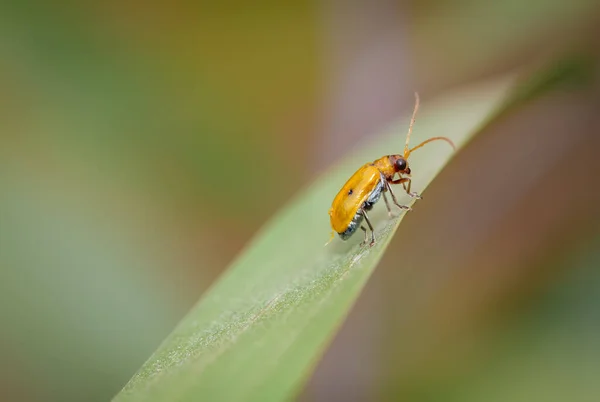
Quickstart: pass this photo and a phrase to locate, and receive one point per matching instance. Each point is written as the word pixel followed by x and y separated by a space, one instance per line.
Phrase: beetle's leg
pixel 365 239
pixel 408 180
pixel 387 205
pixel 405 207
pixel 331 237
pixel 370 227
pixel 399 181
pixel 412 194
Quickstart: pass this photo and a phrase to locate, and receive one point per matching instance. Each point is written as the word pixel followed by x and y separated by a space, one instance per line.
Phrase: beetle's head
pixel 400 164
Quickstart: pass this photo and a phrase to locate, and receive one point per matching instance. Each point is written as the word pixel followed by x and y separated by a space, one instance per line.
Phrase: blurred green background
pixel 143 143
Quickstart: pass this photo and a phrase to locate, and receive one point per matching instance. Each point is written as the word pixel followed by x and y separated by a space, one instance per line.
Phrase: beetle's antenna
pixel 408 151
pixel 410 127
pixel 448 140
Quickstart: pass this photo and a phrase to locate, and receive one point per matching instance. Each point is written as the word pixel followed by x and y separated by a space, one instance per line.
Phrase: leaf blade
pixel 256 334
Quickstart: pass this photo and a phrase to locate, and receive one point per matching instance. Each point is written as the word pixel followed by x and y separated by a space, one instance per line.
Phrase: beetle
pixel 366 186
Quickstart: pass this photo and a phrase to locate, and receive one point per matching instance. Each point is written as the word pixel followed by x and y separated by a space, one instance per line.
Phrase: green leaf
pixel 257 334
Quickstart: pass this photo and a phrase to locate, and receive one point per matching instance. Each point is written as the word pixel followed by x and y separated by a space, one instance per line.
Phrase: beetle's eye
pixel 401 164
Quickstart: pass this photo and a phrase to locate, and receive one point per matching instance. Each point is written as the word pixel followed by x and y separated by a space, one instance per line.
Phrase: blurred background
pixel 143 143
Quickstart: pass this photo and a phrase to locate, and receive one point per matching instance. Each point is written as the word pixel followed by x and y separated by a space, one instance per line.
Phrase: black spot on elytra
pixel 350 192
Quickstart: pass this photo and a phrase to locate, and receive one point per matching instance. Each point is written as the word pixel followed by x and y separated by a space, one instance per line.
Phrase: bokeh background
pixel 143 143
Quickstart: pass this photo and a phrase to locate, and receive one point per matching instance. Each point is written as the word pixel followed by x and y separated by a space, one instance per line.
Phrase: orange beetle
pixel 366 186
